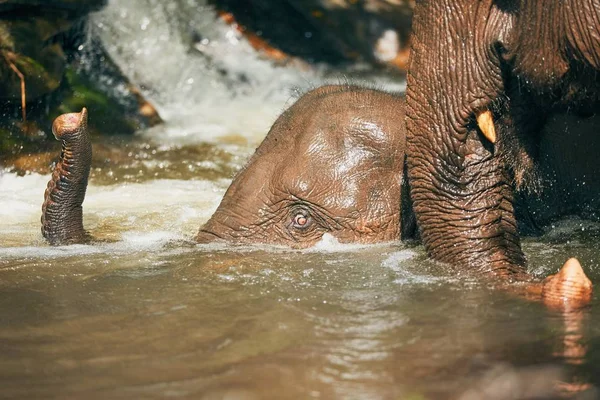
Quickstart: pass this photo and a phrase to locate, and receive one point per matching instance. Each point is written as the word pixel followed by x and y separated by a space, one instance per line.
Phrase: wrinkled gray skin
pixel 332 163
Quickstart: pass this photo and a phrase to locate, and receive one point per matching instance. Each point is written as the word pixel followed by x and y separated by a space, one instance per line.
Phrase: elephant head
pixel 331 163
pixel 483 76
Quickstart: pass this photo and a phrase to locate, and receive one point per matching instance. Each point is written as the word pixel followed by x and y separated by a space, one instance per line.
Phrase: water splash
pixel 210 85
pixel 117 213
pixel 205 79
pixel 202 75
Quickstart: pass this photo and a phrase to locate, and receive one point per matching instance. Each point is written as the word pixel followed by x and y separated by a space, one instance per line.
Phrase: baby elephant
pixel 331 164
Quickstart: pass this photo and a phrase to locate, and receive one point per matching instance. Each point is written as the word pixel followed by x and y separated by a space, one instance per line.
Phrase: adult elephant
pixel 484 77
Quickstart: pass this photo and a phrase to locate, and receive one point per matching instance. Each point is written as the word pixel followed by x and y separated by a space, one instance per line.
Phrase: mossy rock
pixel 106 115
pixel 23 145
pixel 39 39
pixel 78 6
pixel 8 142
pixel 32 35
pixel 41 77
pixel 26 48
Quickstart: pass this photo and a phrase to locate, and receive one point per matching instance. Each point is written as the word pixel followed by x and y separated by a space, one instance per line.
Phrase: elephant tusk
pixel 486 124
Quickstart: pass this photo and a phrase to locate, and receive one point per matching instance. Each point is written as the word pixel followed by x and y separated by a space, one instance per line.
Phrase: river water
pixel 145 313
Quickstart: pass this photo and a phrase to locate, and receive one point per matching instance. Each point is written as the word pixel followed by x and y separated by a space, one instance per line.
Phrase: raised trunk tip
pixel 69 124
pixel 569 289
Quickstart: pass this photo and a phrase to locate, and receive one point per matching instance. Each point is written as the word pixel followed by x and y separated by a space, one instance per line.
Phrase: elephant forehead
pixel 351 180
pixel 329 155
pixel 334 155
pixel 336 162
pixel 345 137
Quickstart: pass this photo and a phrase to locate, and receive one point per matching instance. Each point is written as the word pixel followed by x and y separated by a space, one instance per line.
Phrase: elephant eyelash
pixel 295 215
pixel 287 209
pixel 314 220
pixel 301 219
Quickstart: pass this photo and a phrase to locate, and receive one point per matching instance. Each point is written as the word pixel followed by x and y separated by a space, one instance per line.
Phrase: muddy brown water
pixel 147 314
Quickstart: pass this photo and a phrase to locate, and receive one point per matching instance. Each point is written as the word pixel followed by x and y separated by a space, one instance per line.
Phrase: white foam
pixel 397 262
pixel 139 216
pixel 132 242
pixel 202 75
pixel 206 90
pixel 330 244
pixel 327 244
pixel 14 194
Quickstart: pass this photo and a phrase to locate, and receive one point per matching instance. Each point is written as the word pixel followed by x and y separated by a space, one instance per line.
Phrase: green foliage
pixel 106 115
pixel 8 143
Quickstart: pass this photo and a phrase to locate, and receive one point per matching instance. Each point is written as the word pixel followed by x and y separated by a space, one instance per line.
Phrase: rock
pixel 331 31
pixel 72 6
pixel 49 65
pixel 28 55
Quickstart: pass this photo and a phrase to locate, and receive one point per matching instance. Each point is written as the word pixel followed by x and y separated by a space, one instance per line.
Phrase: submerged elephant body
pixel 485 76
pixel 331 164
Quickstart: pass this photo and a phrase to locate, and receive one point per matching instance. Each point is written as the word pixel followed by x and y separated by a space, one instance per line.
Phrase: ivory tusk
pixel 486 124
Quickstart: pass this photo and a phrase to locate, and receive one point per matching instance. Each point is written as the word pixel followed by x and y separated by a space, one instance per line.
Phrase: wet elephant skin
pixel 62 211
pixel 516 63
pixel 332 163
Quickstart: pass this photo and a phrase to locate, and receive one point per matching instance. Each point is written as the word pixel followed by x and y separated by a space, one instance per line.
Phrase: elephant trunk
pixel 62 214
pixel 460 187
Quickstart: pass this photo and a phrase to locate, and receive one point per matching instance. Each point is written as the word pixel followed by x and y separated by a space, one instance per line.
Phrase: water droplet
pixel 144 24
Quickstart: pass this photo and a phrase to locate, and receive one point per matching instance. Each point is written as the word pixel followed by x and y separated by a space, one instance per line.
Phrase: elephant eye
pixel 301 220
